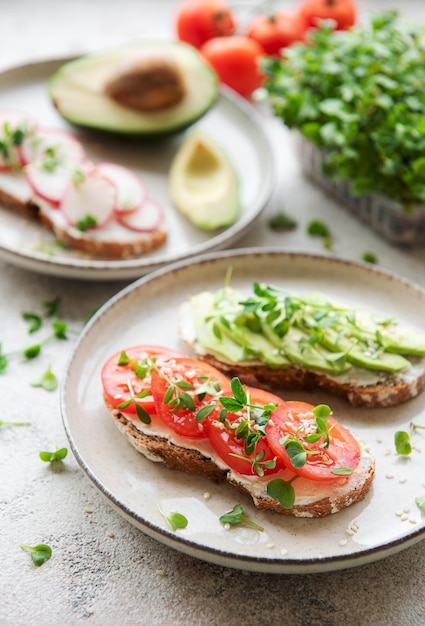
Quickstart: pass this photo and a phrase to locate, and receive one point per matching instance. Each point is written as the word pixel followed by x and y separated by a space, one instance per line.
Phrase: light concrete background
pixel 103 570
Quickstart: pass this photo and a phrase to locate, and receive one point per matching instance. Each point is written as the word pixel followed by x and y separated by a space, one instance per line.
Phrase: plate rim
pixel 116 269
pixel 264 564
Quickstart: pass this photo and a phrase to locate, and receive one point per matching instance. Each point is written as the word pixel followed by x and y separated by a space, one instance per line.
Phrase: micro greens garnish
pixel 282 221
pixel 35 321
pixel 14 423
pixel 86 222
pixel 420 501
pixel 180 395
pixel 237 516
pixel 57 455
pixel 39 554
pixel 369 257
pixel 402 439
pixel 47 380
pixel 282 491
pixel 317 228
pixel 141 412
pixel 124 359
pixel 174 519
pixel 78 177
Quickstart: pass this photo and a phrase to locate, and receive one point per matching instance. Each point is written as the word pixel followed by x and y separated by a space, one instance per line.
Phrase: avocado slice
pixel 79 89
pixel 204 185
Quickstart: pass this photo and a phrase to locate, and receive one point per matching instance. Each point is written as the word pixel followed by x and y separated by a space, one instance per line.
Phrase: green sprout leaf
pixel 281 221
pixel 14 423
pixel 237 516
pixel 47 380
pixel 34 320
pixel 402 442
pixel 369 257
pixel 174 519
pixel 39 554
pixel 282 491
pixel 57 455
pixel 420 501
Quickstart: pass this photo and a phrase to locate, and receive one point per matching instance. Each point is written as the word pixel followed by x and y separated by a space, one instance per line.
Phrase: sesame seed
pixel 110 534
pixel 406 509
pixel 412 521
pixel 88 510
pixel 350 531
pixel 399 513
pixel 227 526
pixel 389 476
pixel 404 517
pixel 207 495
pixel 160 572
pixel 402 480
pixel 343 542
pixel 284 552
pixel 270 545
pixel 378 440
pixel 388 452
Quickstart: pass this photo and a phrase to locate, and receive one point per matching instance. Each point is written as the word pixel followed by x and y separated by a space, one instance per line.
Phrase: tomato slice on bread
pixel 127 374
pixel 180 388
pixel 239 437
pixel 315 447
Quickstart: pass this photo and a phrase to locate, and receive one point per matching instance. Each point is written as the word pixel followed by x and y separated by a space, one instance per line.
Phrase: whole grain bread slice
pixel 314 499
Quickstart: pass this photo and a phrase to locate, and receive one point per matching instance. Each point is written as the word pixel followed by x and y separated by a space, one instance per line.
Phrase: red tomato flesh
pixel 185 375
pixel 229 448
pixel 119 381
pixel 296 418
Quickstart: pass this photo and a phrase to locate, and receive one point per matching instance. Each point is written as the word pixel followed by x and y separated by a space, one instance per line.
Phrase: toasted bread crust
pixel 27 208
pixel 191 461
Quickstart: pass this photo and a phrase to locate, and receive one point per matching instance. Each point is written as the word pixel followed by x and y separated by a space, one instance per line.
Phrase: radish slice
pixel 50 184
pixel 146 218
pixel 51 142
pixel 10 122
pixel 131 192
pixel 90 203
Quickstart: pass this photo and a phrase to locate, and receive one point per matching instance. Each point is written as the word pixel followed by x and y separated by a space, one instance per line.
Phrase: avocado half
pixel 77 90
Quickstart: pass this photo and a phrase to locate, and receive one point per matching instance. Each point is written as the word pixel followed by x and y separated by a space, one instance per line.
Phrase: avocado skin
pixel 76 91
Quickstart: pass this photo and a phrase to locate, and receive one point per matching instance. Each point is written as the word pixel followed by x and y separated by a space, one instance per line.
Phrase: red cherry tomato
pixel 122 382
pixel 235 61
pixel 200 20
pixel 223 438
pixel 186 376
pixel 296 418
pixel 343 12
pixel 277 31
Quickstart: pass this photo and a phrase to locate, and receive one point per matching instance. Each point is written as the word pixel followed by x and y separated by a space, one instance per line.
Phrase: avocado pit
pixel 147 84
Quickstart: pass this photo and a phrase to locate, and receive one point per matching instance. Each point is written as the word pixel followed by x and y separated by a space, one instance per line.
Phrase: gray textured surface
pixel 103 570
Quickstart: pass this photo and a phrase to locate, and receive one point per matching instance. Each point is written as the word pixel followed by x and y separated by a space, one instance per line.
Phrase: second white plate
pixel 388 519
pixel 234 124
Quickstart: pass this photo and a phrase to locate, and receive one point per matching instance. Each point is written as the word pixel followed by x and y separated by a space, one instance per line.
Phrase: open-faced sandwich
pixel 290 457
pixel 101 209
pixel 280 340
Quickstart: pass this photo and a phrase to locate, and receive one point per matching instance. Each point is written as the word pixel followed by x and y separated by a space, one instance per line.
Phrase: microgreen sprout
pixel 47 380
pixel 14 423
pixel 403 439
pixel 86 222
pixel 420 501
pixel 57 455
pixel 369 257
pixel 237 516
pixel 174 519
pixel 281 221
pixel 39 554
pixel 142 414
pixel 282 491
pixel 316 228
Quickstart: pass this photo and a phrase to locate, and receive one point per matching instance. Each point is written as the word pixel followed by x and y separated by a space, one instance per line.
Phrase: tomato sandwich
pixel 291 457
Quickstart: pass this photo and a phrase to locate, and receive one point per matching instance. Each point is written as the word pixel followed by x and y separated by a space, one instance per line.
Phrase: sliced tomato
pixel 296 420
pixel 226 439
pixel 128 373
pixel 181 388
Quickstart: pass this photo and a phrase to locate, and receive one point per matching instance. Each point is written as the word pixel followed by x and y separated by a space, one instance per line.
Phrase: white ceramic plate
pixel 233 122
pixel 146 312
